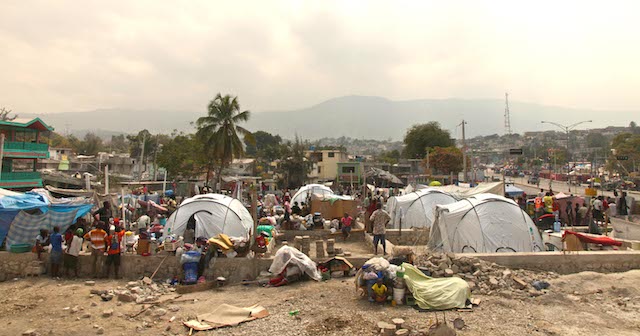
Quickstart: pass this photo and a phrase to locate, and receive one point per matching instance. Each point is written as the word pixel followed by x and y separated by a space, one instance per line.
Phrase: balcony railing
pixel 20 176
pixel 26 146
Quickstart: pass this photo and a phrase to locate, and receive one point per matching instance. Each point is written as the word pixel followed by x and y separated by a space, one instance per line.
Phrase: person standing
pixel 56 252
pixel 598 209
pixel 104 213
pixel 97 237
pixel 42 240
pixel 380 219
pixel 70 259
pixel 623 208
pixel 113 242
pixel 579 217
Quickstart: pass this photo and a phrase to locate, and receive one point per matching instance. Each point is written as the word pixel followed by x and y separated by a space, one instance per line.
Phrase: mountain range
pixel 362 117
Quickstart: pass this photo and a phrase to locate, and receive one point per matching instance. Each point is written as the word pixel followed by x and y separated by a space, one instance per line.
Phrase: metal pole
pixel 1 152
pixel 464 155
pixel 106 179
pixel 123 206
pixel 164 183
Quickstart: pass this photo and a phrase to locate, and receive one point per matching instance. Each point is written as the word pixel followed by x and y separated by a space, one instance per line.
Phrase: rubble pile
pixel 484 277
pixel 140 291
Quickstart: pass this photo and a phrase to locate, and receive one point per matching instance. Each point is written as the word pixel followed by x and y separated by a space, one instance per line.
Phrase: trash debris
pixel 540 285
pixel 226 315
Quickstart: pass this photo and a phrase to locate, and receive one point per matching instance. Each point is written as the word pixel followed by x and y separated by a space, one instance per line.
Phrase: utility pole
pixel 106 179
pixel 464 153
pixel 144 139
pixel 1 151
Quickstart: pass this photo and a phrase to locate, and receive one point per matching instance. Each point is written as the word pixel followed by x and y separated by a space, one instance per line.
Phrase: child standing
pixel 71 253
pixel 56 252
pixel 42 240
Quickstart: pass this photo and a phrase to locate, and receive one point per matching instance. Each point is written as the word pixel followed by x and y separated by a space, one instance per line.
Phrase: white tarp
pixel 289 255
pixel 304 193
pixel 483 223
pixel 459 192
pixel 214 214
pixel 416 209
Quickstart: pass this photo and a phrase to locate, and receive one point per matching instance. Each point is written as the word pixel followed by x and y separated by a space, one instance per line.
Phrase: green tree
pixel 265 146
pixel 219 133
pixel 625 144
pixel 596 140
pixel 391 157
pixel 60 141
pixel 91 145
pixel 182 156
pixel 294 168
pixel 421 137
pixel 119 143
pixel 445 160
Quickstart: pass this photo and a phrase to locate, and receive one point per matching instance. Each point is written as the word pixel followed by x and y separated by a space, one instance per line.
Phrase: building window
pixel 348 170
pixel 332 154
pixel 319 170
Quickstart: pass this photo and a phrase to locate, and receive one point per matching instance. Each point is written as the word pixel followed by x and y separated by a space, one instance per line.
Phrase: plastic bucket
pixel 190 272
pixel 398 295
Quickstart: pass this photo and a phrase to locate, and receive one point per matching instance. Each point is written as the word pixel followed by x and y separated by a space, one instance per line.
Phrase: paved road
pixel 558 186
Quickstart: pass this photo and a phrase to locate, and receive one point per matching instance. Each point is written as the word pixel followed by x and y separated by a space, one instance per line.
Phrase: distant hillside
pixel 353 116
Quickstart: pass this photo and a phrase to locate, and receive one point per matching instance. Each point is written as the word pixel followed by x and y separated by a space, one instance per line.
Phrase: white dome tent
pixel 484 223
pixel 214 214
pixel 304 193
pixel 416 209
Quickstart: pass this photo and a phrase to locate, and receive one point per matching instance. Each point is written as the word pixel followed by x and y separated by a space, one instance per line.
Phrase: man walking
pixel 380 219
pixel 97 237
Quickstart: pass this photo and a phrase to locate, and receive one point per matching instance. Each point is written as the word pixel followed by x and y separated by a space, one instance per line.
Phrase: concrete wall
pixel 566 263
pixel 623 229
pixel 408 237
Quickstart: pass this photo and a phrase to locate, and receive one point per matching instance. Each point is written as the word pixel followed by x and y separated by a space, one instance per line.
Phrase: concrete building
pixel 325 164
pixel 241 167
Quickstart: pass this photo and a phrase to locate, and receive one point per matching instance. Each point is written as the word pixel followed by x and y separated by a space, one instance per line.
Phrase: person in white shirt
pixel 70 258
pixel 144 221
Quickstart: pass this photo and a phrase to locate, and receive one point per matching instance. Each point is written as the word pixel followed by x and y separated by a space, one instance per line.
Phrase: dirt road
pixel 579 304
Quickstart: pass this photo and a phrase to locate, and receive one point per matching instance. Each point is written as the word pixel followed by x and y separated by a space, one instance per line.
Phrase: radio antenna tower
pixel 507 118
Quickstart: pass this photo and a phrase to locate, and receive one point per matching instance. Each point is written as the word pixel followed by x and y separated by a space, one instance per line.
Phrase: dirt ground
pixel 579 304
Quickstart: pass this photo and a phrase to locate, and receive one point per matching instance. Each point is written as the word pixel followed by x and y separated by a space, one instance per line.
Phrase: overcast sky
pixel 65 56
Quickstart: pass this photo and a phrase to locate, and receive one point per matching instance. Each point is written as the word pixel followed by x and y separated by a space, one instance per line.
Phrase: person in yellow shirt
pixel 379 291
pixel 548 203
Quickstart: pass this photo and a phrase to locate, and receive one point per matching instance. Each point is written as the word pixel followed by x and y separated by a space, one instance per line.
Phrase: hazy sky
pixel 79 55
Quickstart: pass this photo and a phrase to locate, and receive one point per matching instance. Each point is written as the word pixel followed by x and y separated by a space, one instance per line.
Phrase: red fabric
pixel 602 240
pixel 117 235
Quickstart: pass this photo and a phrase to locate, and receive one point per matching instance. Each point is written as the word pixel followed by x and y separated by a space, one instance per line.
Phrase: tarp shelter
pixel 304 193
pixel 290 255
pixel 436 293
pixel 483 223
pixel 382 177
pixel 563 201
pixel 333 206
pixel 513 191
pixel 416 209
pixel 214 214
pixel 22 216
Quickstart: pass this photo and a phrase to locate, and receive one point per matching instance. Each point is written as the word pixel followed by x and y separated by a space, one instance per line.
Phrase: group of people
pixel 106 236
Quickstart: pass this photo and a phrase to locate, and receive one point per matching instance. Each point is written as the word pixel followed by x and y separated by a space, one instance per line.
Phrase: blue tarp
pixel 22 202
pixel 10 206
pixel 513 191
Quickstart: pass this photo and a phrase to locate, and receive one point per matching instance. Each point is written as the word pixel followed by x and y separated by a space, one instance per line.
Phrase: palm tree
pixel 220 134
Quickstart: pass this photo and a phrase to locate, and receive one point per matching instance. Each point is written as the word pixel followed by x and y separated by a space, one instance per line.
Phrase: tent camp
pixel 304 193
pixel 513 191
pixel 213 214
pixel 460 192
pixel 484 223
pixel 416 209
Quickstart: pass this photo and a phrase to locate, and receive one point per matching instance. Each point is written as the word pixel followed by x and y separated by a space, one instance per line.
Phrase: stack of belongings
pixel 371 271
pixel 229 246
pixel 290 265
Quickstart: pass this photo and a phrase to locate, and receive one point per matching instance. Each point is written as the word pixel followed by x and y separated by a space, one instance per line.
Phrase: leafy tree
pixel 445 160
pixel 391 157
pixel 626 144
pixel 219 133
pixel 4 115
pixel 421 137
pixel 91 145
pixel 596 140
pixel 182 156
pixel 633 127
pixel 266 146
pixel 294 167
pixel 119 143
pixel 60 141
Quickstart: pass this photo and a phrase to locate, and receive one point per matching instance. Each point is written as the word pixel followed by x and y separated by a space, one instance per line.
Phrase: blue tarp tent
pixel 513 191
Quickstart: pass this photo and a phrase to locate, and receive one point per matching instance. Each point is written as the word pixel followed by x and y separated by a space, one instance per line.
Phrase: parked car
pixel 533 180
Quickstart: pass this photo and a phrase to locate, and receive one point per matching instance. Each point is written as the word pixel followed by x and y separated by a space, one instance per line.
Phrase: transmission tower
pixel 507 118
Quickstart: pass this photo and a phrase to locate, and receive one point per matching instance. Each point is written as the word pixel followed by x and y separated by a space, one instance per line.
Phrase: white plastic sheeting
pixel 214 214
pixel 460 192
pixel 416 209
pixel 305 192
pixel 290 255
pixel 484 223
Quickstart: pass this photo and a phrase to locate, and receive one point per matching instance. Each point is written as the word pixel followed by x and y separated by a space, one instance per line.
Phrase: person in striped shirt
pixel 98 246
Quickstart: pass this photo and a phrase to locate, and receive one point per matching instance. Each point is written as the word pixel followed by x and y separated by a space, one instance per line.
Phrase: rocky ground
pixel 579 304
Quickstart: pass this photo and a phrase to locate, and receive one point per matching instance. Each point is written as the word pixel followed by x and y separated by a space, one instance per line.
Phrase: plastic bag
pixel 189 257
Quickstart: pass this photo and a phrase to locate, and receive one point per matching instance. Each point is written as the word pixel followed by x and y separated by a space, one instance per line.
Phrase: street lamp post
pixel 567 129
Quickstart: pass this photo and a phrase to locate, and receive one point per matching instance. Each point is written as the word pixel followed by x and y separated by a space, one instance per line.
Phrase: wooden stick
pixel 157 268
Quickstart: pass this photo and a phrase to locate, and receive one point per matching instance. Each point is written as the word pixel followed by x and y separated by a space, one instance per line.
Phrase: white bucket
pixel 398 295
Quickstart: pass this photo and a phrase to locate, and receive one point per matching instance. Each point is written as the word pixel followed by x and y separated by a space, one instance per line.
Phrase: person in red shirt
pixel 113 242
pixel 346 222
